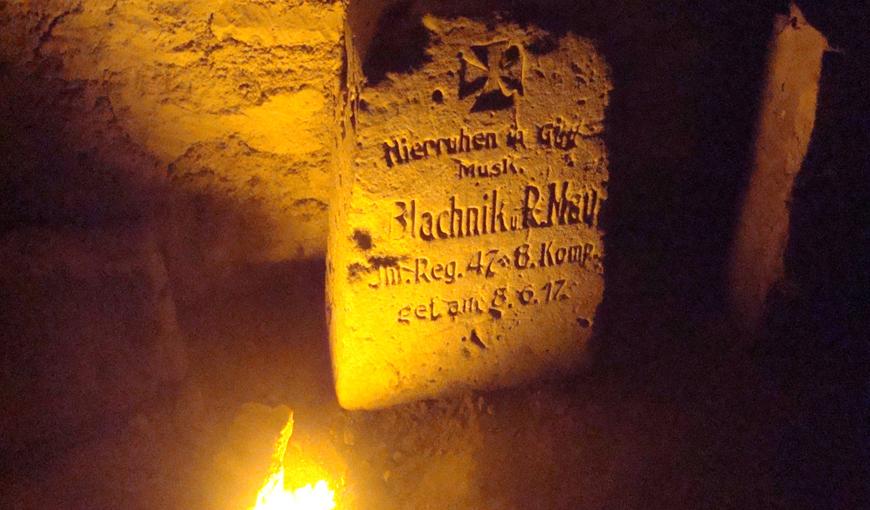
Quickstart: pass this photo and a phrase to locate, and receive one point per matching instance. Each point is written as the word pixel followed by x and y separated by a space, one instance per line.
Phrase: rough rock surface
pixel 231 98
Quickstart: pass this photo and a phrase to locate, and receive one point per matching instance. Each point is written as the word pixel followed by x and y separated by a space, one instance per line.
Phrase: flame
pixel 274 495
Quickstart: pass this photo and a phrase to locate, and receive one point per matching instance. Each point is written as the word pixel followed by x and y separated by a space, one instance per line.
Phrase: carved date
pixel 496 303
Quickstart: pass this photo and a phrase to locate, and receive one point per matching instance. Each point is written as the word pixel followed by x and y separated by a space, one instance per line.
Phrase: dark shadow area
pixel 136 316
pixel 815 344
pixel 687 80
pixel 60 154
pixel 491 101
pixel 76 271
pixel 399 45
pixel 679 130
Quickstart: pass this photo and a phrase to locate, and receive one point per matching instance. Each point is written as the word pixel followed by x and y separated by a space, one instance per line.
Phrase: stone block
pixel 465 245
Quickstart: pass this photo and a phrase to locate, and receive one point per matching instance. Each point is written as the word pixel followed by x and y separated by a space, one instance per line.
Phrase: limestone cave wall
pixel 166 169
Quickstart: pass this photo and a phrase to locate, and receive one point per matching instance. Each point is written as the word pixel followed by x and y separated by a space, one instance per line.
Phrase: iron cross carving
pixel 493 71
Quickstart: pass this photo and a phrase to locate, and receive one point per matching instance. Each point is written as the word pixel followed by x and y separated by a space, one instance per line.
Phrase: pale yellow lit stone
pixel 465 244
pixel 785 124
pixel 232 99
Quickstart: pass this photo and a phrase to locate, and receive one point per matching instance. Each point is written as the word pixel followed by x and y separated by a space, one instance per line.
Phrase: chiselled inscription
pixel 485 263
pixel 559 135
pixel 494 304
pixel 552 205
pixel 494 67
pixel 400 151
pixel 503 167
pixel 470 249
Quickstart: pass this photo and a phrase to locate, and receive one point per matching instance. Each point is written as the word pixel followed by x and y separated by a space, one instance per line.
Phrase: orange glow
pixel 274 495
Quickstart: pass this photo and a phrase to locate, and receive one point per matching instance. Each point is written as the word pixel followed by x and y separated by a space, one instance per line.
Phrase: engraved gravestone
pixel 465 243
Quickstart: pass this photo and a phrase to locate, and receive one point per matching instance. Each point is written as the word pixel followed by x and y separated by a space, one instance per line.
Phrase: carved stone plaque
pixel 465 247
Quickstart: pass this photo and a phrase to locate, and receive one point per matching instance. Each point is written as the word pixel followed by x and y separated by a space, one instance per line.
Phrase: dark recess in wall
pixel 399 46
